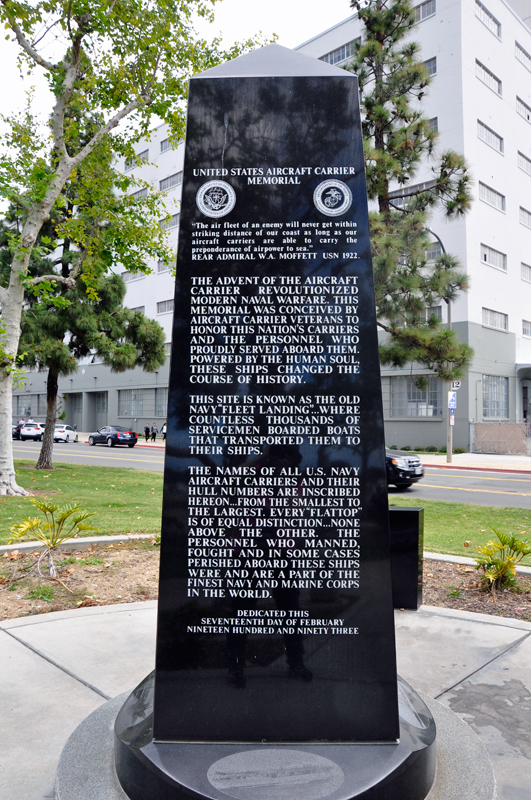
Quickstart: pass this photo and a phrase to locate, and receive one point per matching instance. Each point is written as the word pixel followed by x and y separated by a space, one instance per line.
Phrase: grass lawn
pixel 448 525
pixel 129 501
pixel 124 500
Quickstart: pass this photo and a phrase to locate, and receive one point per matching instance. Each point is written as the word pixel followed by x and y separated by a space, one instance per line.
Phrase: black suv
pixel 403 468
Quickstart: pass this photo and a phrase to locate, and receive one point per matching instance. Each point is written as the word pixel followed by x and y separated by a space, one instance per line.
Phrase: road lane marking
pixel 464 489
pixel 107 455
pixel 481 478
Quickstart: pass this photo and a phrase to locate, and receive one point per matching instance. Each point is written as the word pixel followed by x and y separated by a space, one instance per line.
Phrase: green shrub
pixel 406 447
pixel 499 560
pixel 419 449
pixel 442 449
pixel 41 592
pixel 59 525
pixel 431 449
pixel 393 447
pixel 459 450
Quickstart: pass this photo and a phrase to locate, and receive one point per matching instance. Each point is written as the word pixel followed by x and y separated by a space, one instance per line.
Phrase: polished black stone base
pixel 150 770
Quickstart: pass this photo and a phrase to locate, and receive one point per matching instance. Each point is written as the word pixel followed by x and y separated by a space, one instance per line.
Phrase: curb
pixel 75 544
pixel 79 544
pixel 149 446
pixel 470 562
pixel 478 469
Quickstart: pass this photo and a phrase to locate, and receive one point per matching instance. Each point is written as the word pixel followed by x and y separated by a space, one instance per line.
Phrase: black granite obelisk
pixel 275 672
pixel 275 610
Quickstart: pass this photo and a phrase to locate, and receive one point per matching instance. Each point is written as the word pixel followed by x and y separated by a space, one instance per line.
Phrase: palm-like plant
pixel 499 560
pixel 60 524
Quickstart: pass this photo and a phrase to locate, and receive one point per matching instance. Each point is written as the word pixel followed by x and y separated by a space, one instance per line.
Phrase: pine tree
pixel 55 338
pixel 398 138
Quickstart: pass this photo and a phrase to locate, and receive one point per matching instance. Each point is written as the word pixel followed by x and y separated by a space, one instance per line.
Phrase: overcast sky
pixel 294 21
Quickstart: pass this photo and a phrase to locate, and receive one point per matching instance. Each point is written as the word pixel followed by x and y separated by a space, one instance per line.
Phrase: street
pixel 472 486
pixel 99 456
pixel 455 485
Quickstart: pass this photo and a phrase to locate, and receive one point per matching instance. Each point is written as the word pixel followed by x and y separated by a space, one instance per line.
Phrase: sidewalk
pixel 480 461
pixel 57 668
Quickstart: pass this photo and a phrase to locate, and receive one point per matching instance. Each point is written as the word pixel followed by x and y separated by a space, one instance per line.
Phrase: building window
pixel 523 56
pixel 400 197
pixel 494 319
pixel 488 78
pixel 425 10
pixel 493 258
pixel 526 272
pixel 165 145
pixel 165 306
pixel 523 109
pixel 341 53
pixel 171 181
pixel 138 309
pixel 172 222
pixel 488 136
pixel 431 66
pixel 132 276
pixel 434 123
pixel 526 327
pixel 488 19
pixel 141 193
pixel 139 157
pixel 167 347
pixel 491 196
pixel 434 311
pixel 495 396
pixel 525 217
pixel 407 400
pixel 41 405
pixel 130 402
pixel 524 163
pixel 161 402
pixel 433 251
pixel 162 266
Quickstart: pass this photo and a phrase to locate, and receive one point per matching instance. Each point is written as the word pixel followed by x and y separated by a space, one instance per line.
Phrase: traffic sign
pixel 452 399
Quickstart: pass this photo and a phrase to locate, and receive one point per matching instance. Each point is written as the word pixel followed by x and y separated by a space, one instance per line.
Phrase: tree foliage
pixel 398 140
pixel 113 66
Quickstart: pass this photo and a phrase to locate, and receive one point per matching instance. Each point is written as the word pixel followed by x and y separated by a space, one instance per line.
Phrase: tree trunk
pixel 12 298
pixel 8 482
pixel 45 457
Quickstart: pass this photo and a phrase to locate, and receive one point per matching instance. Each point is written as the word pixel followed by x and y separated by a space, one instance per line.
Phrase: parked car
pixel 403 468
pixel 15 429
pixel 32 430
pixel 64 433
pixel 113 434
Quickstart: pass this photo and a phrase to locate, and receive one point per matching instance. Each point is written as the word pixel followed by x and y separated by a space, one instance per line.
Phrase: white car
pixel 32 430
pixel 64 433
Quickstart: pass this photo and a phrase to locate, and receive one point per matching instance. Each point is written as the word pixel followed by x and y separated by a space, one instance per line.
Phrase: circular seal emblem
pixel 215 198
pixel 332 198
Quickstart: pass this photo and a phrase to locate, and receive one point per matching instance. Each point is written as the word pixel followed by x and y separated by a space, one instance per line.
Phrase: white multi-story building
pixel 479 54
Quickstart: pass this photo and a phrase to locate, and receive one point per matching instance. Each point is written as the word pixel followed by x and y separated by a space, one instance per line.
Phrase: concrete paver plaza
pixel 56 668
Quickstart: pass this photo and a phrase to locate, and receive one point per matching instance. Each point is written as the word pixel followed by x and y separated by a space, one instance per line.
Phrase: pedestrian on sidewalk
pixel 163 431
pixel 154 431
pixel 146 431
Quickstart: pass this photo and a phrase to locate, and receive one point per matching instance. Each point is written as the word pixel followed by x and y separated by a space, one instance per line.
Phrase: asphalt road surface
pixel 454 485
pixel 470 486
pixel 98 456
